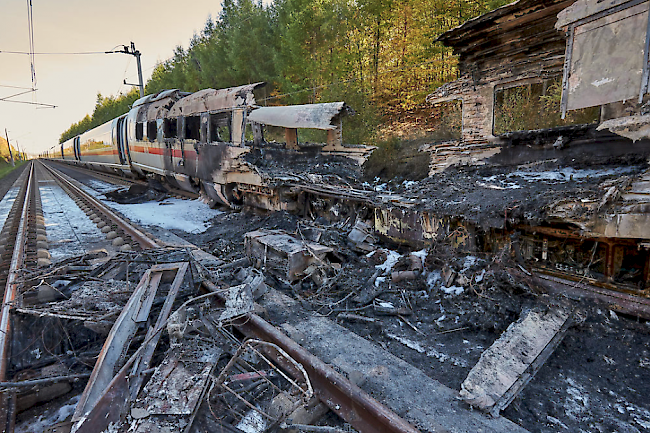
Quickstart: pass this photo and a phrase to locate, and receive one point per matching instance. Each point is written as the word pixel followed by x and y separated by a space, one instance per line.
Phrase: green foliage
pixel 380 56
pixel 6 167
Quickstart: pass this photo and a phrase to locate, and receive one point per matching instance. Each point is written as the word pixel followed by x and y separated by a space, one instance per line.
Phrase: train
pixel 214 142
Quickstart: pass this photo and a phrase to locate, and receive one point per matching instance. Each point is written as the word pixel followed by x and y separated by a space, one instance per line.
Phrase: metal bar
pixel 622 302
pixel 143 362
pixel 646 59
pixel 344 398
pixel 567 69
pixel 44 381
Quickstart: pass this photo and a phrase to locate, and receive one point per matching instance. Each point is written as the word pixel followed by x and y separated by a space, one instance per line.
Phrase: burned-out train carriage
pixel 202 141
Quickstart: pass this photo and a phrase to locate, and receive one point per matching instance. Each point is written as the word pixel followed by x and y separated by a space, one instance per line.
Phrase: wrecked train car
pixel 553 157
pixel 213 141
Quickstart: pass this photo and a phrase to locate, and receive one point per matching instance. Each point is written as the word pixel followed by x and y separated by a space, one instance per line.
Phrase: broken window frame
pixel 152 130
pixel 511 84
pixel 139 131
pixel 219 127
pixel 192 128
pixel 170 128
pixel 570 33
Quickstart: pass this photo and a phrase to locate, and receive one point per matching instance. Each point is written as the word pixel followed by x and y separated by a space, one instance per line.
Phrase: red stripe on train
pixel 176 153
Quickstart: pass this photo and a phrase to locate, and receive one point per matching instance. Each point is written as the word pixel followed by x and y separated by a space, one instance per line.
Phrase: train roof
pixel 215 99
pixel 316 116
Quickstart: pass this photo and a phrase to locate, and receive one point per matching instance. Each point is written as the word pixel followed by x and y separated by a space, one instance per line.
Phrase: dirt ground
pixel 596 381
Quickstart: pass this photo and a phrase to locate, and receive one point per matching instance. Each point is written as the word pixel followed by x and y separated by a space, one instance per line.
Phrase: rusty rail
pixel 343 397
pixel 17 260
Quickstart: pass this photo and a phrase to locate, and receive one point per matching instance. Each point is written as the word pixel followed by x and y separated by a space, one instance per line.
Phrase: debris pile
pixel 148 351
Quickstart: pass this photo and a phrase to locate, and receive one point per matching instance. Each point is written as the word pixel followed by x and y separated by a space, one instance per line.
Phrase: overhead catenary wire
pixel 32 58
pixel 73 53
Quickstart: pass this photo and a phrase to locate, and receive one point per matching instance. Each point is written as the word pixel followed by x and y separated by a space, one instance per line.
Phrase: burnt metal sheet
pixel 157 96
pixel 215 99
pixel 158 107
pixel 316 116
pixel 173 389
pixel 283 255
pixel 633 127
pixel 607 58
pixel 583 9
pixel 118 342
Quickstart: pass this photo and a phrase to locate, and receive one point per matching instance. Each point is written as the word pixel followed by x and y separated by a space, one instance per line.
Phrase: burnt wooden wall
pixel 509 46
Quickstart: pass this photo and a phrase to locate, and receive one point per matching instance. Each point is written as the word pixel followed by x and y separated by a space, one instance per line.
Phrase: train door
pixel 62 157
pixel 125 140
pixel 120 131
pixel 75 147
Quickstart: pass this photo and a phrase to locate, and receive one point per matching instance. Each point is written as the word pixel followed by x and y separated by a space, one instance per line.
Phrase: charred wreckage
pixel 573 194
pixel 550 172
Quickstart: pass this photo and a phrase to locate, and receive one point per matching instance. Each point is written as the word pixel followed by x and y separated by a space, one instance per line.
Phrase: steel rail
pixel 128 228
pixel 343 397
pixel 115 178
pixel 11 287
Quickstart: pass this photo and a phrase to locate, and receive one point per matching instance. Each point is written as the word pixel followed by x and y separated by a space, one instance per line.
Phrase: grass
pixel 6 168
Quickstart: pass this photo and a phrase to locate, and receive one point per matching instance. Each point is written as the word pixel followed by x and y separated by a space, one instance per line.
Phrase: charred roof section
pixel 317 116
pixel 215 99
pixel 514 32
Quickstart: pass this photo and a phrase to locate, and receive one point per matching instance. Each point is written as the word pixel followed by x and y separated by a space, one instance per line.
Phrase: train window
pixel 139 131
pixel 192 127
pixel 151 130
pixel 170 129
pixel 220 127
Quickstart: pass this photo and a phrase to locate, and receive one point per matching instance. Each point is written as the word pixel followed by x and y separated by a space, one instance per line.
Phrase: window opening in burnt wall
pixel 139 131
pixel 193 128
pixel 444 120
pixel 536 106
pixel 220 127
pixel 151 130
pixel 170 129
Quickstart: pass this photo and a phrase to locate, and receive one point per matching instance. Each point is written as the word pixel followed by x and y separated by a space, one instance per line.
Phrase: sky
pixel 71 82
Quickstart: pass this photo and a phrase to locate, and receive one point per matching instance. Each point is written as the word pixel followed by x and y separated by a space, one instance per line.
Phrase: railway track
pixel 127 181
pixel 25 249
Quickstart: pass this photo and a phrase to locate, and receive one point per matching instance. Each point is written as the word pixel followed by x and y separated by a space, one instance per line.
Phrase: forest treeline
pixel 380 56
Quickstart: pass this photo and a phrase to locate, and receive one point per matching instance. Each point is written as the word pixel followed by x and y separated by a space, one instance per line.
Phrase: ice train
pixel 213 142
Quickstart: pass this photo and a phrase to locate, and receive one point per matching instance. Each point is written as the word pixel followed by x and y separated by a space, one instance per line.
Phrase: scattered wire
pixel 112 50
pixel 15 87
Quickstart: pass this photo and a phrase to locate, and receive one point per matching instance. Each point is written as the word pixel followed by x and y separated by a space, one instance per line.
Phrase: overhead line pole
pixel 135 53
pixel 9 146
